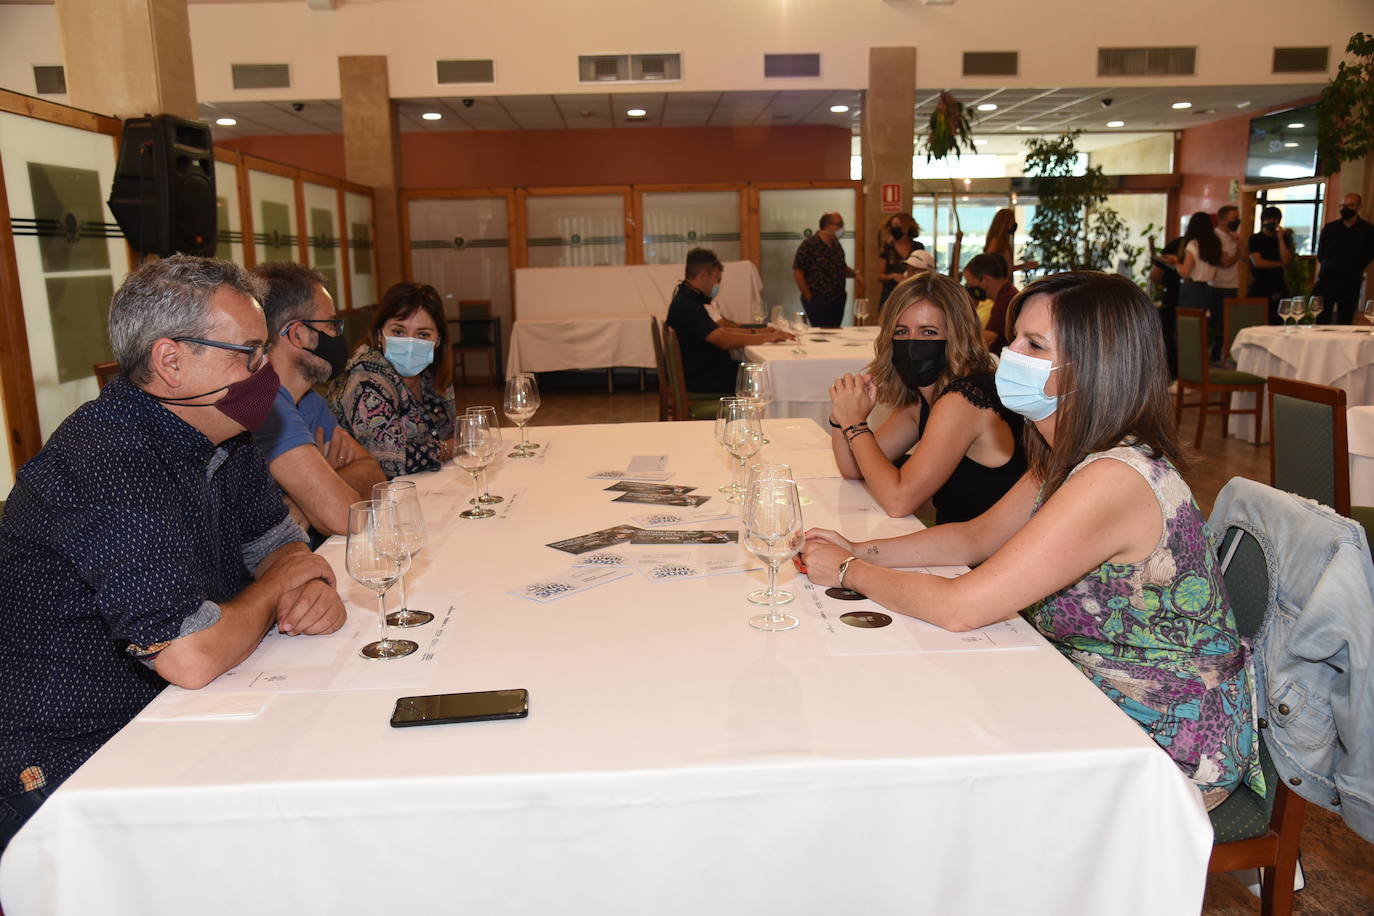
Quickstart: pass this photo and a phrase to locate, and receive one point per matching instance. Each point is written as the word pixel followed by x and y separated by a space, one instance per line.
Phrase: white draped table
pixel 1341 356
pixel 801 382
pixel 674 761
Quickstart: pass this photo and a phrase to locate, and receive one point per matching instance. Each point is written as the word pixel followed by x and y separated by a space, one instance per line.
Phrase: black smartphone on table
pixel 443 708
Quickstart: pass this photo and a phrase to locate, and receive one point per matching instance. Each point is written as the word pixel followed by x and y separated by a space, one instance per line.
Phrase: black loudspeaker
pixel 163 195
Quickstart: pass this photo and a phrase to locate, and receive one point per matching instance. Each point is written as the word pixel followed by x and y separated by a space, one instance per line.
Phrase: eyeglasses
pixel 256 353
pixel 335 326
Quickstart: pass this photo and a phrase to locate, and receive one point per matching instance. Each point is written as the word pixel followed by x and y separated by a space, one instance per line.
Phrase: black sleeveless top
pixel 973 488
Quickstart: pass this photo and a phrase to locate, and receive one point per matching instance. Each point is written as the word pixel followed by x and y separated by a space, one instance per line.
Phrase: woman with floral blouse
pixel 396 395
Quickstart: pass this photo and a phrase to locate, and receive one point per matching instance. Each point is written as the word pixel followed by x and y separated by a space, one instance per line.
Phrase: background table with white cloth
pixel 1359 427
pixel 1341 356
pixel 674 760
pixel 598 317
pixel 801 381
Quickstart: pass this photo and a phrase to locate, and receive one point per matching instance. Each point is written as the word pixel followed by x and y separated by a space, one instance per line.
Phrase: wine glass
pixel 752 382
pixel 732 488
pixel 801 323
pixel 861 311
pixel 1283 312
pixel 1315 306
pixel 407 499
pixel 769 471
pixel 741 432
pixel 376 556
pixel 494 424
pixel 522 400
pixel 473 450
pixel 773 533
pixel 758 314
pixel 1368 313
pixel 778 318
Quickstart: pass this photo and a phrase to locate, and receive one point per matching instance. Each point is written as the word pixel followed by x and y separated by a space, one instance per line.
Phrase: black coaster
pixel 844 594
pixel 867 620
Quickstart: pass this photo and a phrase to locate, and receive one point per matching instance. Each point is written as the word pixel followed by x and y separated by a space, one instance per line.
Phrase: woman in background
pixel 897 238
pixel 1002 240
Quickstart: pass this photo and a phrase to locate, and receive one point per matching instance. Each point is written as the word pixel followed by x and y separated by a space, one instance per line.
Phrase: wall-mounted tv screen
pixel 1283 146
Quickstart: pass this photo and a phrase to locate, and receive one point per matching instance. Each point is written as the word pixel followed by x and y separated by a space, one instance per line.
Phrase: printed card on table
pixel 578 579
pixel 682 536
pixel 628 475
pixel 596 540
pixel 662 489
pixel 665 517
pixel 687 501
pixel 665 566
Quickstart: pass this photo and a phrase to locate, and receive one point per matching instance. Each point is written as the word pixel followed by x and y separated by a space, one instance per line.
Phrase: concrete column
pixel 128 58
pixel 887 143
pixel 372 154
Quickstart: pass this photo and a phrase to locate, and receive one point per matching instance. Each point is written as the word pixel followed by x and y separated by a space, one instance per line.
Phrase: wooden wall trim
pixel 16 369
pixel 43 110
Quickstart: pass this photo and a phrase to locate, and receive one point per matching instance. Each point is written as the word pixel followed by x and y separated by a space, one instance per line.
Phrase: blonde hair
pixel 965 351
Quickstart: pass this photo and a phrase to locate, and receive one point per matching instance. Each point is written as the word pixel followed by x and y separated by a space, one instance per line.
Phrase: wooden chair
pixel 1249 831
pixel 357 324
pixel 477 332
pixel 665 394
pixel 686 405
pixel 104 372
pixel 1237 314
pixel 1196 373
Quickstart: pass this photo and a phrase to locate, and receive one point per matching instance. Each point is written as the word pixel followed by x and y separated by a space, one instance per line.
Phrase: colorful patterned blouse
pixel 1160 640
pixel 403 433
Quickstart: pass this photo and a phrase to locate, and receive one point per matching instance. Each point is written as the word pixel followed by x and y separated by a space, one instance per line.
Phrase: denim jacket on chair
pixel 1313 655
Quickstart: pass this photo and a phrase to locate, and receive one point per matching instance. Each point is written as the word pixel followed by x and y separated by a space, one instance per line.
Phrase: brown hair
pixel 908 222
pixel 964 347
pixel 999 240
pixel 1112 371
pixel 402 301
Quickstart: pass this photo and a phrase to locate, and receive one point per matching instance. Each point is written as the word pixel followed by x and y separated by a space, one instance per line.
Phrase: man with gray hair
pixel 146 543
pixel 321 468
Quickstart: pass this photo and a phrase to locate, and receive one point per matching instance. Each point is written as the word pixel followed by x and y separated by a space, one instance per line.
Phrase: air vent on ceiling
pixel 465 71
pixel 991 63
pixel 1301 60
pixel 262 76
pixel 784 66
pixel 50 80
pixel 603 68
pixel 1146 61
pixel 655 66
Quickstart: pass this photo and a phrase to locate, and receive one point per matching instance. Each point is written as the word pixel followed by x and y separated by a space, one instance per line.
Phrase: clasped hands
pixel 823 553
pixel 852 398
pixel 308 604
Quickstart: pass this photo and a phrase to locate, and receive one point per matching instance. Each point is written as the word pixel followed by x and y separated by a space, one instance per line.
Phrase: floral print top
pixel 404 433
pixel 1160 640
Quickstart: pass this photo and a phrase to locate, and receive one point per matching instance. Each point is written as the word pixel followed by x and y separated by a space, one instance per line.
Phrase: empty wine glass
pixel 773 533
pixel 1368 313
pixel 732 488
pixel 752 382
pixel 769 471
pixel 494 423
pixel 522 400
pixel 778 317
pixel 800 325
pixel 861 312
pixel 740 430
pixel 376 556
pixel 407 499
pixel 1284 312
pixel 473 450
pixel 1315 306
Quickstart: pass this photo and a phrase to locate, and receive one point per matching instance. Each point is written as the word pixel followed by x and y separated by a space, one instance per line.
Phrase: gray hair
pixel 168 298
pixel 288 293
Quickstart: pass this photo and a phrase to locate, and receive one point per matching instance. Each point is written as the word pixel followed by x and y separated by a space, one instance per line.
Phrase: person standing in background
pixel 1198 264
pixel 1344 250
pixel 820 272
pixel 1225 282
pixel 897 238
pixel 1271 251
pixel 1002 240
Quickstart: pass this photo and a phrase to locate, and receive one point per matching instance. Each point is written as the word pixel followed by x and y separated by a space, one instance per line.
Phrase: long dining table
pixel 674 759
pixel 1341 356
pixel 801 380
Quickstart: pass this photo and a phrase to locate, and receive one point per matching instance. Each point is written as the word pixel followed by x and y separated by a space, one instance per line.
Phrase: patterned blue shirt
pixel 120 536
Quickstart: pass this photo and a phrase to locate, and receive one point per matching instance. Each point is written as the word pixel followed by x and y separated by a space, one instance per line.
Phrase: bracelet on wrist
pixel 851 436
pixel 833 424
pixel 844 568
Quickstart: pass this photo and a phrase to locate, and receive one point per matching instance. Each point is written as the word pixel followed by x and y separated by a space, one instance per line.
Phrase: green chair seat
pixel 1234 377
pixel 1244 815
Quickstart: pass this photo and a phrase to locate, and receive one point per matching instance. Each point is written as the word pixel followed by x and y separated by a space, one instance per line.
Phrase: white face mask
pixel 1021 385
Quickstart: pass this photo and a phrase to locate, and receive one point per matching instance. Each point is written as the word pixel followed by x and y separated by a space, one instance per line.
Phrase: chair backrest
pixel 665 396
pixel 475 324
pixel 357 324
pixel 104 372
pixel 1192 346
pixel 1247 579
pixel 1238 314
pixel 1308 454
pixel 672 352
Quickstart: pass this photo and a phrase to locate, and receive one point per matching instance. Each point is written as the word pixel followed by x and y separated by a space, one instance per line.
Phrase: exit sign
pixel 892 198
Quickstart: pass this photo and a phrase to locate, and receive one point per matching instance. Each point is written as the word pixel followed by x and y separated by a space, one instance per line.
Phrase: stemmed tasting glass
pixel 778 318
pixel 473 449
pixel 1285 306
pixel 522 400
pixel 1368 313
pixel 768 471
pixel 773 533
pixel 741 432
pixel 494 424
pixel 751 381
pixel 407 499
pixel 800 325
pixel 861 311
pixel 1297 307
pixel 1315 306
pixel 377 556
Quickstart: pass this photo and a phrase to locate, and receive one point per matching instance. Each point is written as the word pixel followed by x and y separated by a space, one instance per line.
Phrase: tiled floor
pixel 1338 864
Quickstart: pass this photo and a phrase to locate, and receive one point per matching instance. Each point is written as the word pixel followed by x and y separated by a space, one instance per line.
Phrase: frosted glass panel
pixel 229 241
pixel 322 235
pixel 1144 215
pixel 676 222
pixel 70 253
pixel 580 230
pixel 274 217
pixel 460 247
pixel 361 257
pixel 787 217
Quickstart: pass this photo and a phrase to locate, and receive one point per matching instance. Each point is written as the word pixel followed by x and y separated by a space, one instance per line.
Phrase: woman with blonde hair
pixel 931 367
pixel 897 241
pixel 1002 240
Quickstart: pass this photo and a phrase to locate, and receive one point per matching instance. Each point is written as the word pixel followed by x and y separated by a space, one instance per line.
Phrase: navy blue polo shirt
pixel 124 533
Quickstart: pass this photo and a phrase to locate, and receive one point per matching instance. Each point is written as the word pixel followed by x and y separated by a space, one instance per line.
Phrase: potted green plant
pixel 949 133
pixel 1073 229
pixel 1345 112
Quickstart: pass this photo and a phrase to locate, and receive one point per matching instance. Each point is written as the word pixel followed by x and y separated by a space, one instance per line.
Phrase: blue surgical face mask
pixel 409 355
pixel 1021 385
pixel 715 290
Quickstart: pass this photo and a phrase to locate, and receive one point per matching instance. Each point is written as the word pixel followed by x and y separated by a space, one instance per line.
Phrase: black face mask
pixel 333 350
pixel 896 232
pixel 1349 212
pixel 1233 225
pixel 977 292
pixel 919 362
pixel 1270 227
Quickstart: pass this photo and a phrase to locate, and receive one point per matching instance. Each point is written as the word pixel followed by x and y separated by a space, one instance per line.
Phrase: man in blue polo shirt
pixel 320 467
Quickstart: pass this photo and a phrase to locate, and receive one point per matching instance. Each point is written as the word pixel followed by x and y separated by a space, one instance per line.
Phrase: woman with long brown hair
pixel 1001 240
pixel 931 367
pixel 1100 542
pixel 896 241
pixel 396 394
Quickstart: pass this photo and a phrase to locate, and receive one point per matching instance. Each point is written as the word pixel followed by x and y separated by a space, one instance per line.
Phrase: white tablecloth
pixel 674 761
pixel 1338 355
pixel 597 317
pixel 801 382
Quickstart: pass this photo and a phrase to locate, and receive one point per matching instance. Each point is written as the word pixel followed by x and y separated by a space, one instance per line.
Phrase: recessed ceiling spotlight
pixel 431 116
pixel 839 109
pixel 225 122
pixel 1116 123
pixel 1290 144
pixel 987 106
pixel 1179 106
pixel 1024 127
pixel 635 112
pixel 1298 125
pixel 980 143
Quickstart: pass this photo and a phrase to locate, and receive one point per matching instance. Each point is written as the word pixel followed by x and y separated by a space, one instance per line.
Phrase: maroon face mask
pixel 246 402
